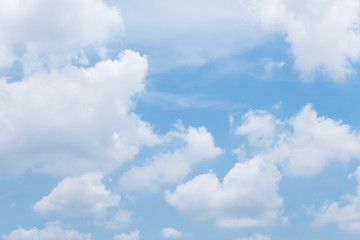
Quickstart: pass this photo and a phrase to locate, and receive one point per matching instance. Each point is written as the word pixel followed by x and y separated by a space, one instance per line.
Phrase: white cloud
pixel 315 141
pixel 78 196
pixel 305 143
pixel 345 214
pixel 74 120
pixel 171 233
pixel 52 231
pixel 259 126
pixel 256 237
pixel 172 167
pixel 60 30
pixel 247 197
pixel 131 236
pixel 301 145
pixel 324 35
pixel 114 220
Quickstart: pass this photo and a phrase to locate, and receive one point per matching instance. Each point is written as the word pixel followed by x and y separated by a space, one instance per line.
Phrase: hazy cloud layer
pixel 52 230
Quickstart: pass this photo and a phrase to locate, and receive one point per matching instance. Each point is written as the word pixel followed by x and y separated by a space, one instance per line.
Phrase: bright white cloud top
pixel 74 115
pixel 52 42
pixel 247 196
pixel 84 195
pixel 303 144
pixel 171 233
pixel 173 167
pixel 345 214
pixel 114 119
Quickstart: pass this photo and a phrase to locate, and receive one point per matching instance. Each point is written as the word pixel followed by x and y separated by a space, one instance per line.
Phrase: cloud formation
pixel 324 35
pixel 303 144
pixel 345 213
pixel 172 167
pixel 78 117
pixel 70 27
pixel 247 196
pixel 52 230
pixel 78 196
pixel 170 233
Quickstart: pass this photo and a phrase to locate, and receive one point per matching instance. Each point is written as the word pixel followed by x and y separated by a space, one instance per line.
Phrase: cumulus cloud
pixel 324 35
pixel 78 117
pixel 247 196
pixel 78 196
pixel 60 31
pixel 52 230
pixel 303 144
pixel 345 214
pixel 259 126
pixel 256 237
pixel 131 236
pixel 170 233
pixel 172 167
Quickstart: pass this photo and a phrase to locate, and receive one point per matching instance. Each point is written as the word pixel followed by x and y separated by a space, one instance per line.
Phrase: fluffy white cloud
pixel 59 33
pixel 52 231
pixel 172 167
pixel 170 233
pixel 259 126
pixel 304 143
pixel 324 35
pixel 345 214
pixel 256 237
pixel 247 197
pixel 131 236
pixel 74 120
pixel 78 196
pixel 314 141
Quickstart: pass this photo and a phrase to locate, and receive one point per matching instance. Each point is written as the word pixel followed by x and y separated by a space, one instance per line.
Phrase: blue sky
pixel 129 120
